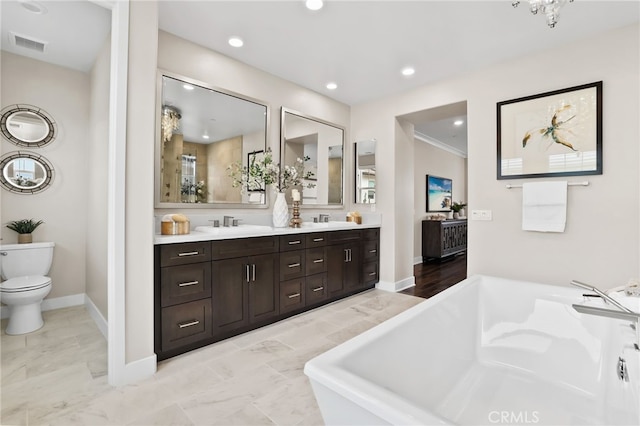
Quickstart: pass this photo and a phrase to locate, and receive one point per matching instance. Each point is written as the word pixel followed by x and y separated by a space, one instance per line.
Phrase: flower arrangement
pixel 261 172
pixel 199 189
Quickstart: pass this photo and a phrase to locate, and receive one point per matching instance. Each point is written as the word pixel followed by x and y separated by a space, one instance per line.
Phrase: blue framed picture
pixel 439 194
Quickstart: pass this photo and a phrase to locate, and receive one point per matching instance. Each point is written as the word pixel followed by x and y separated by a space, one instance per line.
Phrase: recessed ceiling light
pixel 332 86
pixel 314 4
pixel 205 136
pixel 33 7
pixel 408 71
pixel 187 87
pixel 236 41
pixel 458 123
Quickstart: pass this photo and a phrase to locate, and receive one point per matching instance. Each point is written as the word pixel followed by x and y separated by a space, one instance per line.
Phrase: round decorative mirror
pixel 27 125
pixel 25 173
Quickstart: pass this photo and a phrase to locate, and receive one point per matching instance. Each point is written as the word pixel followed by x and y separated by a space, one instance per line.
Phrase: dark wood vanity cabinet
pixel 211 290
pixel 442 238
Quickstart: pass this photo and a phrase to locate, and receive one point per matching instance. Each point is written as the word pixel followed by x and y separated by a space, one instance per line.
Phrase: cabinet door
pixel 263 291
pixel 352 267
pixel 336 258
pixel 229 294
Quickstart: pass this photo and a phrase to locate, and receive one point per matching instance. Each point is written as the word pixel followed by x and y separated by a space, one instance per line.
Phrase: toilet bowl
pixel 24 268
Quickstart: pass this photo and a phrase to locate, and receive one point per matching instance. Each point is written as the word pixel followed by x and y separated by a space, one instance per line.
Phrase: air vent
pixel 28 43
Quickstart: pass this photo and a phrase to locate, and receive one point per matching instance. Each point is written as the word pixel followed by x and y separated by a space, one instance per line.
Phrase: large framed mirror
pixel 202 130
pixel 365 171
pixel 27 126
pixel 303 136
pixel 25 173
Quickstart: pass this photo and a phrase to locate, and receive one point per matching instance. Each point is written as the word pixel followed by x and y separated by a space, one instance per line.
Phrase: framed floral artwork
pixel 556 133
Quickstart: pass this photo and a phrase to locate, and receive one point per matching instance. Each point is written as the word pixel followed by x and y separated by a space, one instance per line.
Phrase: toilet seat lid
pixel 30 282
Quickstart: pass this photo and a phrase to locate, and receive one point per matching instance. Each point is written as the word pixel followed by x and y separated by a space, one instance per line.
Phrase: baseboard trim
pixel 417 260
pixel 140 369
pixel 52 303
pixel 398 285
pixel 97 316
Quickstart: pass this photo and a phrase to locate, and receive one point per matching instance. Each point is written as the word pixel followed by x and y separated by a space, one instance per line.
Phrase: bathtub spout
pixel 603 295
pixel 634 317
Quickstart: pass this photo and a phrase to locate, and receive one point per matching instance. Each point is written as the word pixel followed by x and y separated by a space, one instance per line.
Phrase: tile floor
pixel 57 375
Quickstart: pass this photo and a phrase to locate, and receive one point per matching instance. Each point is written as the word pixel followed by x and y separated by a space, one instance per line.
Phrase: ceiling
pixel 360 45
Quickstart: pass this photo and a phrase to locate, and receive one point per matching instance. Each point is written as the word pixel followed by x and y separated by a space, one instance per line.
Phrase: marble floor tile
pixel 58 375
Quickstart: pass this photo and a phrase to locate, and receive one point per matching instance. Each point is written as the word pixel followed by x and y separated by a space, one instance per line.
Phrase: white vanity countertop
pixel 247 231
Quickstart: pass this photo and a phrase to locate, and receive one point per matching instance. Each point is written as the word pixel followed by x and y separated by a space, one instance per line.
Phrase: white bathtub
pixel 485 351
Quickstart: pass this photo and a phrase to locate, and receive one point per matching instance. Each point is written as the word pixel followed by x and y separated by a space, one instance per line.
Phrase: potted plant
pixel 24 228
pixel 458 209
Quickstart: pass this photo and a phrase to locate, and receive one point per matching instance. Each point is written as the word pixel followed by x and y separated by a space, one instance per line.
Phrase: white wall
pixel 600 244
pixel 431 160
pixel 64 94
pixel 97 147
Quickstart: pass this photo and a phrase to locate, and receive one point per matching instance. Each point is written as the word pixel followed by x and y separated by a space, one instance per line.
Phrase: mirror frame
pixel 161 205
pixel 283 112
pixel 8 111
pixel 14 155
pixel 356 163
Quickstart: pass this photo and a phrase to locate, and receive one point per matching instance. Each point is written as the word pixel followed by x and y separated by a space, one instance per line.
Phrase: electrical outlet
pixel 481 215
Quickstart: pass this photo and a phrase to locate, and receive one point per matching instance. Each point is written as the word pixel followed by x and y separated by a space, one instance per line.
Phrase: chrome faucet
pixel 227 220
pixel 323 218
pixel 623 313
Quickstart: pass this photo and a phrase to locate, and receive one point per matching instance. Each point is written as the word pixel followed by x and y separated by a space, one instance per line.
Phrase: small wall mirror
pixel 323 142
pixel 365 171
pixel 202 131
pixel 25 173
pixel 27 125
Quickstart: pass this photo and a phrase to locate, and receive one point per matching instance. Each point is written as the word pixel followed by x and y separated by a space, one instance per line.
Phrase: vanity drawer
pixel 186 323
pixel 316 239
pixel 316 288
pixel 342 236
pixel 292 242
pixel 185 253
pixel 184 283
pixel 292 295
pixel 292 264
pixel 240 247
pixel 371 234
pixel 370 273
pixel 370 251
pixel 316 260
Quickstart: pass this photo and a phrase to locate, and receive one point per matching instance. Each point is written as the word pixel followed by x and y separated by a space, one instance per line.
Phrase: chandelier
pixel 170 121
pixel 549 8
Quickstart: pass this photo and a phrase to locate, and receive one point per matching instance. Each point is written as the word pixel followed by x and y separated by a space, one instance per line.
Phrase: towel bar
pixel 585 183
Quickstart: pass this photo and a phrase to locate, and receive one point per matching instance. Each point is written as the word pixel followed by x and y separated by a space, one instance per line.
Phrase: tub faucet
pixel 622 313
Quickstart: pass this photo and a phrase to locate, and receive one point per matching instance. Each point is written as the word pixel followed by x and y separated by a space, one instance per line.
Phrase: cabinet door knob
pixel 253 267
pixel 373 251
pixel 294 242
pixel 317 240
pixel 247 271
pixel 294 265
pixel 294 295
pixel 318 289
pixel 186 284
pixel 318 261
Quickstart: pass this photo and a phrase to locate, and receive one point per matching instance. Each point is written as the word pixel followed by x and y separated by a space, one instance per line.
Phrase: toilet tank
pixel 18 260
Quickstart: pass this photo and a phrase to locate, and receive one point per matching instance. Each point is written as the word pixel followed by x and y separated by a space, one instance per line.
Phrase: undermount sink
pixel 234 230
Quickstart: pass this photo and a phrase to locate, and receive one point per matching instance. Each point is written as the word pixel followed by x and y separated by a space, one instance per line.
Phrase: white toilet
pixel 24 267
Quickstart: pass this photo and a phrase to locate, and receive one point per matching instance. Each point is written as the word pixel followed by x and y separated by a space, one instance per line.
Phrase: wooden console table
pixel 444 238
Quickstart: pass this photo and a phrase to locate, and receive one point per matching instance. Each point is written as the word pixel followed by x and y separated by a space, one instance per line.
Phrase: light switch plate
pixel 481 215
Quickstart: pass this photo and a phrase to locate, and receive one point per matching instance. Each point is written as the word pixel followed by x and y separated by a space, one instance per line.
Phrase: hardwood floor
pixel 433 277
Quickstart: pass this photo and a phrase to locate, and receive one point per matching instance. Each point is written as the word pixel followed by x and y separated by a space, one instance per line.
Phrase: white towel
pixel 544 206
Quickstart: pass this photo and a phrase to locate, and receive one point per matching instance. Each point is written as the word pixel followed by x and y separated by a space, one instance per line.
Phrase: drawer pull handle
pixel 294 242
pixel 318 261
pixel 188 283
pixel 317 240
pixel 318 289
pixel 294 265
pixel 189 253
pixel 294 295
pixel 189 324
pixel 373 251
pixel 371 274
